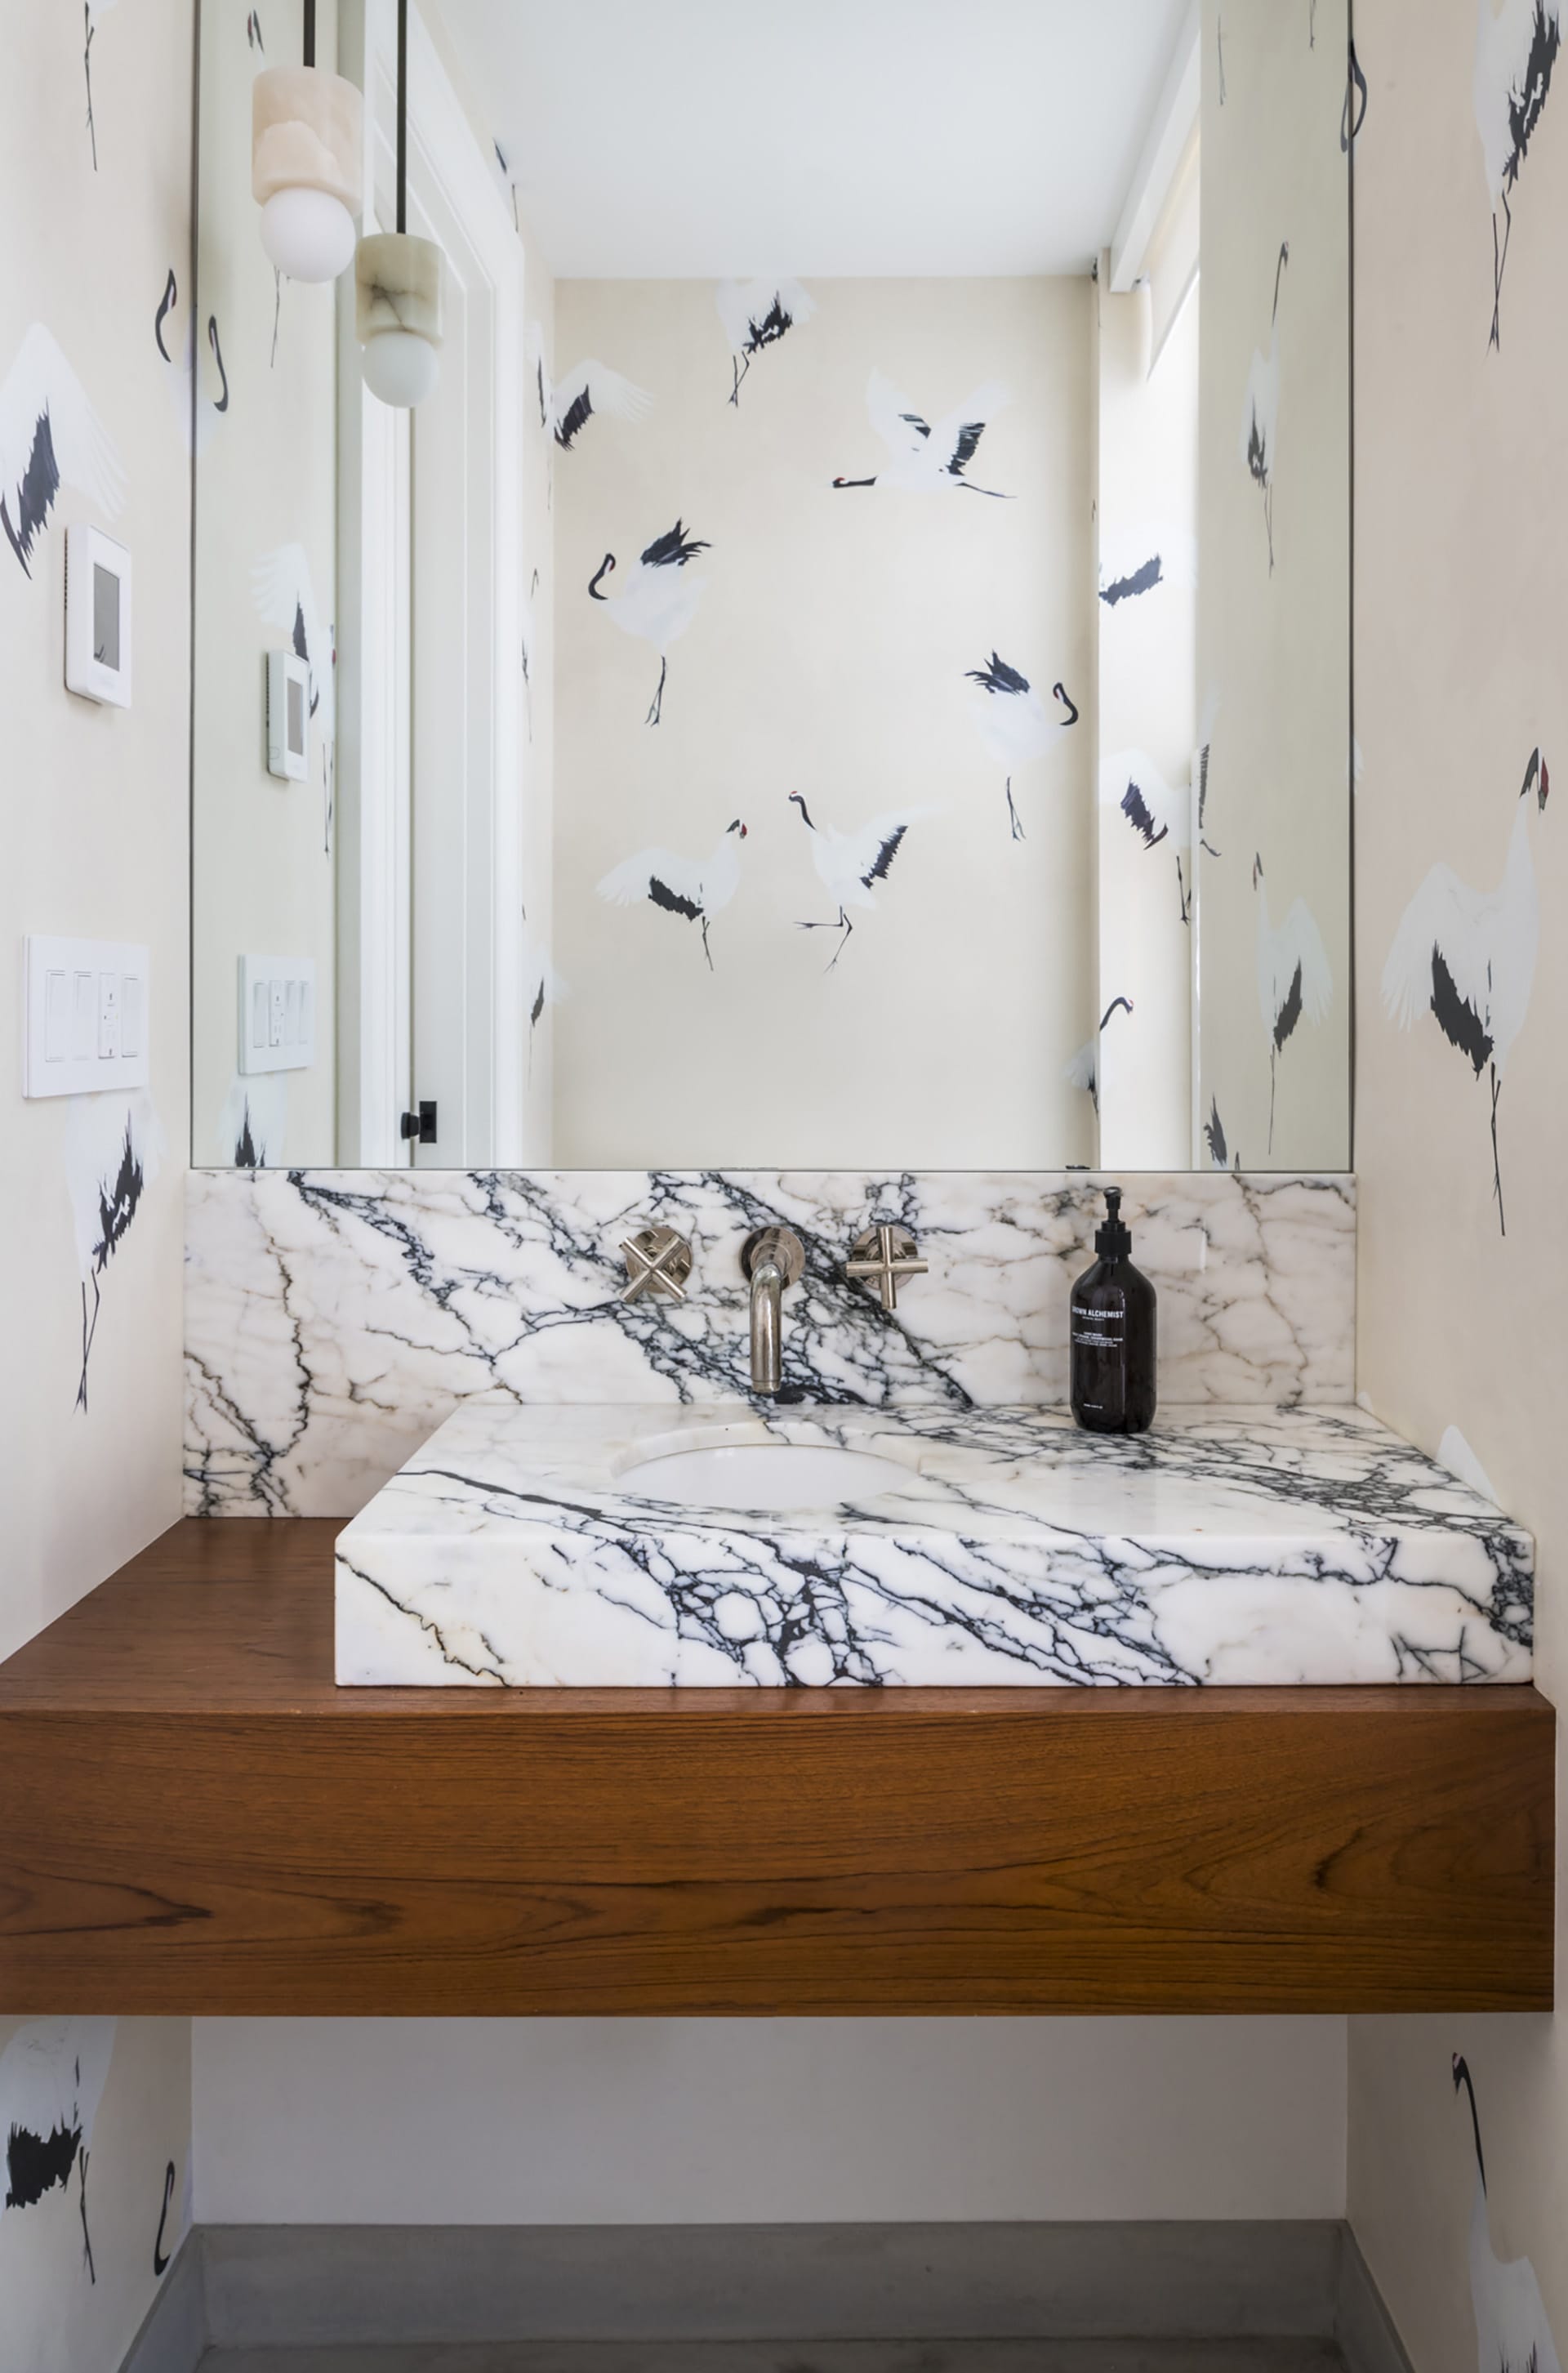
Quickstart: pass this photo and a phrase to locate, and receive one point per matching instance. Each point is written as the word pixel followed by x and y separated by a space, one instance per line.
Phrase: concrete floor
pixel 796 2356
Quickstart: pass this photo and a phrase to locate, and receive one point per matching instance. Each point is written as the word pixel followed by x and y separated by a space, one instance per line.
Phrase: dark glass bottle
pixel 1112 1369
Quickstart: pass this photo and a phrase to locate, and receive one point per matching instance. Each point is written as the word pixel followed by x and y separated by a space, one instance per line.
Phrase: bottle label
pixel 1098 1330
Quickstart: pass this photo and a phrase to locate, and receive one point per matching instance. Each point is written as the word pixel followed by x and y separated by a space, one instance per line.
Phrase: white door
pixel 373 753
pixel 463 665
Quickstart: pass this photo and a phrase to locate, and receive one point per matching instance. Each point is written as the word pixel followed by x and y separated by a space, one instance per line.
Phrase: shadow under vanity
pixel 432 1388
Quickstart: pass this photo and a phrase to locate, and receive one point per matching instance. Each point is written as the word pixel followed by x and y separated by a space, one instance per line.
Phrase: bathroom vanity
pixel 463 1450
pixel 802 785
pixel 197 1818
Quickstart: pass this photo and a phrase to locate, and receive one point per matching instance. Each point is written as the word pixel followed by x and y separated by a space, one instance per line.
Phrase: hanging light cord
pixel 309 33
pixel 402 116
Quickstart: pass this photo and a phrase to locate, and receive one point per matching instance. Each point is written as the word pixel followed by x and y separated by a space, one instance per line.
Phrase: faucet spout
pixel 774 1258
pixel 767 1316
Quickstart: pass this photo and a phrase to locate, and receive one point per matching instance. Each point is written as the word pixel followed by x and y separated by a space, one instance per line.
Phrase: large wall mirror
pixel 848 665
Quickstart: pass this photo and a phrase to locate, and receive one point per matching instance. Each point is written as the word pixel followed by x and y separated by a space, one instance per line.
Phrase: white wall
pixel 743 2121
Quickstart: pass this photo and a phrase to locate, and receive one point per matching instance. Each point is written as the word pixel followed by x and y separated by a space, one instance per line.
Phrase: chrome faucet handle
pixel 882 1255
pixel 657 1261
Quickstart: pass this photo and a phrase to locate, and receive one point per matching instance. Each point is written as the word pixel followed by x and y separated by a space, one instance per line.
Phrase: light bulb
pixel 307 234
pixel 400 366
pixel 397 314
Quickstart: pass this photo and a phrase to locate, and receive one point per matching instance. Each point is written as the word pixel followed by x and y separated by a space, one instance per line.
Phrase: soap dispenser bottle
pixel 1112 1387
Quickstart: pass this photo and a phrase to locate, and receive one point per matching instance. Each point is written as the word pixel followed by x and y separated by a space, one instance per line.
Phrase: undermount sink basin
pixel 712 1545
pixel 768 1476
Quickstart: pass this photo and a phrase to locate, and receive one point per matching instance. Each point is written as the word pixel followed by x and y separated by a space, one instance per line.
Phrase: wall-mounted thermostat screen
pixel 106 617
pixel 98 616
pixel 288 715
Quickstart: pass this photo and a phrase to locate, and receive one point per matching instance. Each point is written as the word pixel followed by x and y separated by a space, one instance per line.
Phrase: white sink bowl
pixel 768 1477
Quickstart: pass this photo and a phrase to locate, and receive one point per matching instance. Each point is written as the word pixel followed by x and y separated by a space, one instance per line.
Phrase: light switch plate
pixel 88 1011
pixel 277 1013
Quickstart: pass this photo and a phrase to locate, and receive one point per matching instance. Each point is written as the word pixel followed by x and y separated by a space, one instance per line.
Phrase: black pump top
pixel 1113 1240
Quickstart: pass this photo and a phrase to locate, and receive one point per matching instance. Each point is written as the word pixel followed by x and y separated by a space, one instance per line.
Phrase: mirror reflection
pixel 790 605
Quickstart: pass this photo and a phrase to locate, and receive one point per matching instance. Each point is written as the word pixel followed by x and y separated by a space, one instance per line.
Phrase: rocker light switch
pixel 130 1015
pixel 108 1017
pixel 83 1027
pixel 278 1009
pixel 88 1019
pixel 56 1016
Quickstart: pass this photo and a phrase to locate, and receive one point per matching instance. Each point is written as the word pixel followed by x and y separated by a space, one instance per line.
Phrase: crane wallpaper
pixel 1273 507
pixel 265 530
pixel 94 2113
pixel 824 720
pixel 95 2118
pixel 1459 2129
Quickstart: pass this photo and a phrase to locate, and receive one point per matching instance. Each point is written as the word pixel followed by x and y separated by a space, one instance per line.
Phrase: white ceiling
pixel 710 138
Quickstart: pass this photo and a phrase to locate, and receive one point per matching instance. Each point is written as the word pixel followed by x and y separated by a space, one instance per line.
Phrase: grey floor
pixel 796 2356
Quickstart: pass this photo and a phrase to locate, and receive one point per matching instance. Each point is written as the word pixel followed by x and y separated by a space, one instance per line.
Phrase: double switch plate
pixel 277 1013
pixel 87 1016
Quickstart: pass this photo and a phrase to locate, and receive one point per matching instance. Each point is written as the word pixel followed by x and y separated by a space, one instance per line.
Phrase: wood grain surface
pixel 196 1820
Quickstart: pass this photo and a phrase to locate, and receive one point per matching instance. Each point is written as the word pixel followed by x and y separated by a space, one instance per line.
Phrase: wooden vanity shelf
pixel 195 1819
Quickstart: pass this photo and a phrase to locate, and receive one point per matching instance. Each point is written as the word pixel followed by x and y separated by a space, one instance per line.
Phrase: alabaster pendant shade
pixel 398 314
pixel 306 134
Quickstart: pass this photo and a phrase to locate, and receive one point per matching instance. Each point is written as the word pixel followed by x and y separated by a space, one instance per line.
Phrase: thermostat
pixel 288 715
pixel 98 616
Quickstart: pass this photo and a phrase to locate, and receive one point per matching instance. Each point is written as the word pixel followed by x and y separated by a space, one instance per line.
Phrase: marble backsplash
pixel 334 1317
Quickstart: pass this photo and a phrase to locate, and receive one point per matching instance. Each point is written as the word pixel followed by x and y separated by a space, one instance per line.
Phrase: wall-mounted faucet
pixel 773 1258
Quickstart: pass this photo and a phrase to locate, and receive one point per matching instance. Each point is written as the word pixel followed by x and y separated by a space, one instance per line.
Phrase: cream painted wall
pixel 94 807
pixel 1273 648
pixel 828 655
pixel 737 2121
pixel 1461 494
pixel 265 528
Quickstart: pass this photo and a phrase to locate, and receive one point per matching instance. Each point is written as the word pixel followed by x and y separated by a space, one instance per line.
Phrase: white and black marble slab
pixel 334 1319
pixel 1242 1546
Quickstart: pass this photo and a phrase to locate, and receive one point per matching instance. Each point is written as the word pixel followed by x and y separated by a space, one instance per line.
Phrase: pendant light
pixel 305 135
pixel 398 285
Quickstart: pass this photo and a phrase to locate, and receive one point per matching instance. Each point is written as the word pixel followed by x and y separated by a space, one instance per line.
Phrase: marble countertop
pixel 1238 1545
